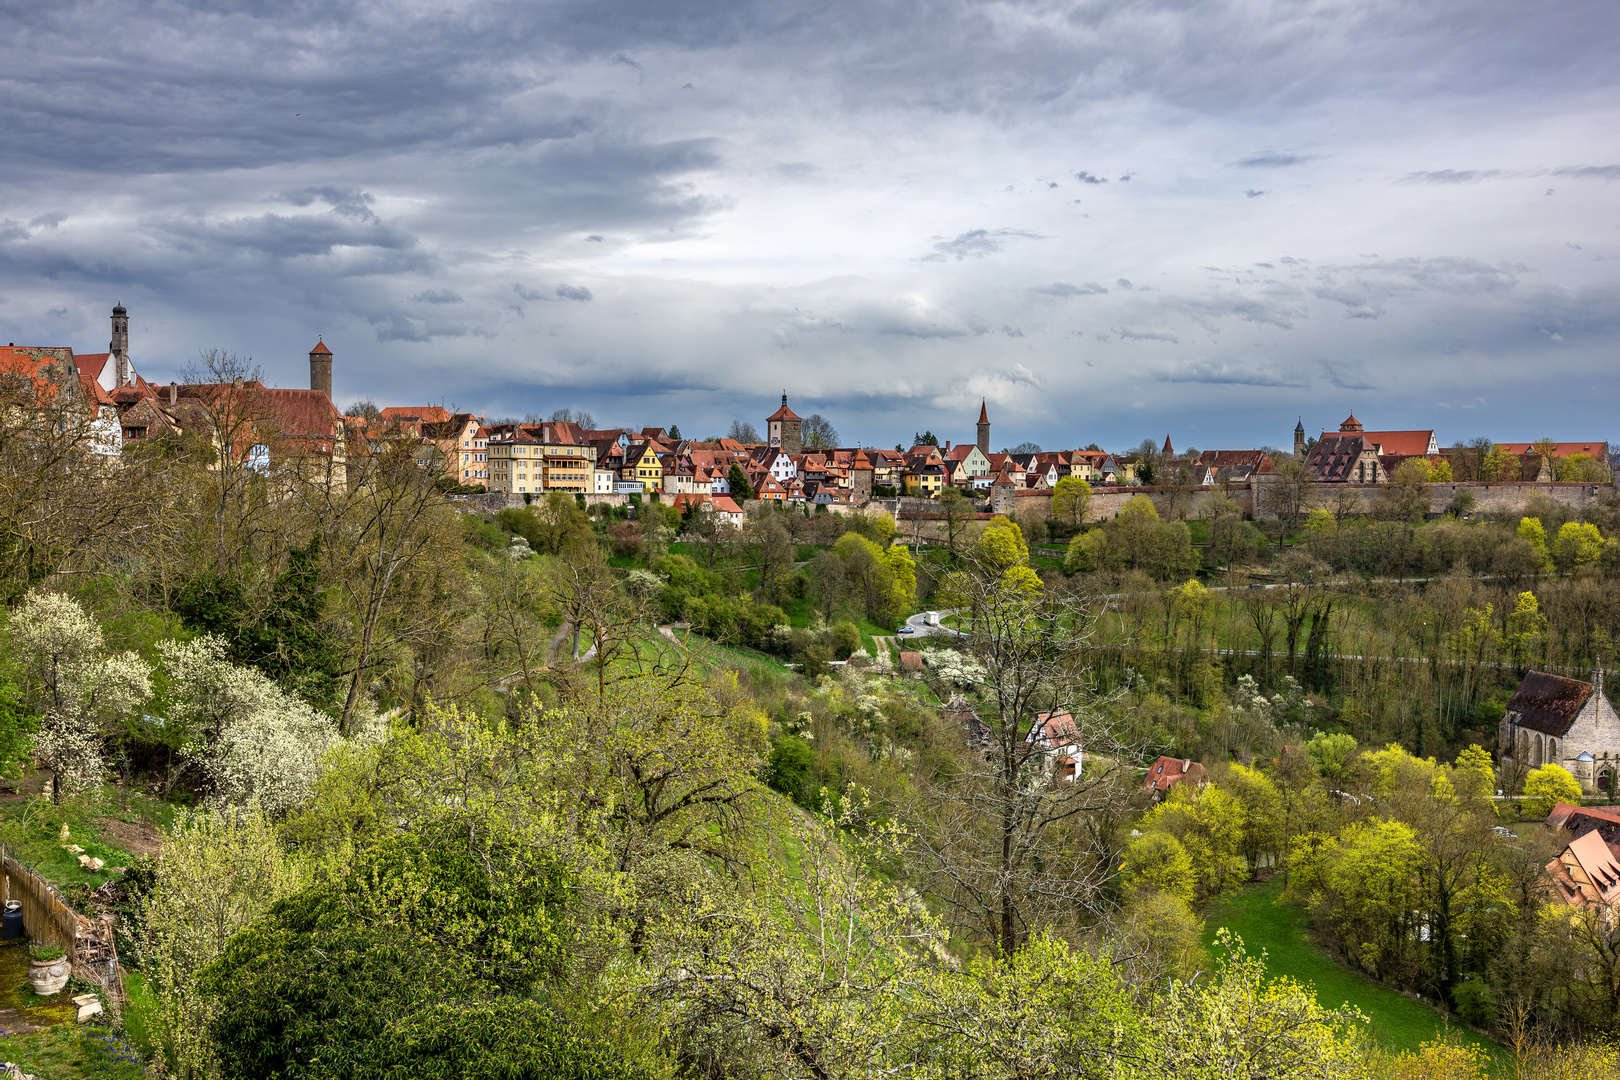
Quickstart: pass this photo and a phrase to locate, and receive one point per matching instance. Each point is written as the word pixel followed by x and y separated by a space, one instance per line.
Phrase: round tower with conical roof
pixel 320 368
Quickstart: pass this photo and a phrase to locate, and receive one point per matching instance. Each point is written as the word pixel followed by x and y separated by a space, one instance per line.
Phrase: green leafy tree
pixel 1579 544
pixel 1156 860
pixel 1071 499
pixel 1549 784
pixel 1209 822
pixel 1330 753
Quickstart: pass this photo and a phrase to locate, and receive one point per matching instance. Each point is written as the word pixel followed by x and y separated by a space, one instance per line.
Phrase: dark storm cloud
pixel 255 170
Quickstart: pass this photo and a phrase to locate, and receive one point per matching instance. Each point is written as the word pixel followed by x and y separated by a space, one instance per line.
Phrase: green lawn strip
pixel 1398 1023
pixel 71 1052
pixel 32 829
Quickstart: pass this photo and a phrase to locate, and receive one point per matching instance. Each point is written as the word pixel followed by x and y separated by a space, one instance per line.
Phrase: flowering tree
pixel 251 739
pixel 77 689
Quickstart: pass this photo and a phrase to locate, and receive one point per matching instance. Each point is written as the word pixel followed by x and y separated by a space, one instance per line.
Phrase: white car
pixel 908 629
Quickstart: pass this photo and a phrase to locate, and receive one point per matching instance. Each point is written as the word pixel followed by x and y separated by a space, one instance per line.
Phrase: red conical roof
pixel 984 417
pixel 1351 424
pixel 320 347
pixel 1167 449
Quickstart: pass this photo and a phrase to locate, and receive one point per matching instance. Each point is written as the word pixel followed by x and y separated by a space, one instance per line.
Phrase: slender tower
pixel 119 345
pixel 782 428
pixel 1299 438
pixel 984 430
pixel 320 368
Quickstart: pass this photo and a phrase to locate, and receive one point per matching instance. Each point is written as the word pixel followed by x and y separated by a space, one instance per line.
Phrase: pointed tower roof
pixel 1351 424
pixel 984 417
pixel 1168 452
pixel 1299 428
pixel 320 347
pixel 784 413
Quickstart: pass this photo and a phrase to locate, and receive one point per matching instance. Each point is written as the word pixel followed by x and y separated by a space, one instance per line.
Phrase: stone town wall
pixel 1489 498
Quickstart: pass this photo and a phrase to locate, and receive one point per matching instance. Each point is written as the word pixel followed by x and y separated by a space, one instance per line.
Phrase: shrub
pixel 788 770
pixel 1476 1002
pixel 40 951
pixel 844 638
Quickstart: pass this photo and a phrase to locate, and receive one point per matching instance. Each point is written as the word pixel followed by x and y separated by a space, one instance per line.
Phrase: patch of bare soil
pixel 135 837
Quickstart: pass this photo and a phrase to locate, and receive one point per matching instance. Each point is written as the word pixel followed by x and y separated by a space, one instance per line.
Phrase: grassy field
pixel 1398 1022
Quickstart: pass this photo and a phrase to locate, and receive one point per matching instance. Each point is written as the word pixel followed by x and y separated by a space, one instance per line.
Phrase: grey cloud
pixel 795 170
pixel 291 235
pixel 1588 172
pixel 1274 161
pixel 976 243
pixel 1232 372
pixel 594 238
pixel 528 294
pixel 1357 300
pixel 1132 333
pixel 1086 178
pixel 1347 376
pixel 1063 290
pixel 1253 193
pixel 47 221
pixel 437 296
pixel 573 292
pixel 1453 176
pixel 348 201
pixel 12 230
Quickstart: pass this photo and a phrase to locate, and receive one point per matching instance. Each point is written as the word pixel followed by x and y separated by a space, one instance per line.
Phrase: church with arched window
pixel 1564 721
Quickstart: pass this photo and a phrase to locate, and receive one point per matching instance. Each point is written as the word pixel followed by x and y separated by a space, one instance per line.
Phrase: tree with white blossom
pixel 78 689
pixel 251 739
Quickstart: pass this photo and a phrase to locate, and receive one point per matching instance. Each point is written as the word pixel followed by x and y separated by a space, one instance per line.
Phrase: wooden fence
pixel 46 915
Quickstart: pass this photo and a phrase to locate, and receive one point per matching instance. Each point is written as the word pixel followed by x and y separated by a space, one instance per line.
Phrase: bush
pixel 789 768
pixel 45 952
pixel 1545 786
pixel 1476 1002
pixel 844 638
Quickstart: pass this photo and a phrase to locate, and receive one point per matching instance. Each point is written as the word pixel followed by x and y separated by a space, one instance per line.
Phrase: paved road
pixel 919 623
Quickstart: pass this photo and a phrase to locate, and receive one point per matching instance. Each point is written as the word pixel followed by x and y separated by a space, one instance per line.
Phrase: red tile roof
pixel 1596 447
pixel 984 417
pixel 1168 771
pixel 320 348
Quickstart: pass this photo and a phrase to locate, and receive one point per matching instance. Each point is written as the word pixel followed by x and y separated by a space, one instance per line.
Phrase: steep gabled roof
pixel 414 413
pixel 1549 703
pixel 1334 456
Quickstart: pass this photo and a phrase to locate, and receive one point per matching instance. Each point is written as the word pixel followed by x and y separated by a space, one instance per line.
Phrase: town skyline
pixel 1111 221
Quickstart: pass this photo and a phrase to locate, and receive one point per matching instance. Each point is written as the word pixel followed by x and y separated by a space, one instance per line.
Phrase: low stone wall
pixel 1508 497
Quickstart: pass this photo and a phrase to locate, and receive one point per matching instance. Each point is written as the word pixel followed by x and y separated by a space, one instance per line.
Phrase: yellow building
pixel 641 465
pixel 516 464
pixel 926 481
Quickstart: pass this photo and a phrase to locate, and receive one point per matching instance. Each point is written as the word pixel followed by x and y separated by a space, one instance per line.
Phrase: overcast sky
pixel 1111 220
